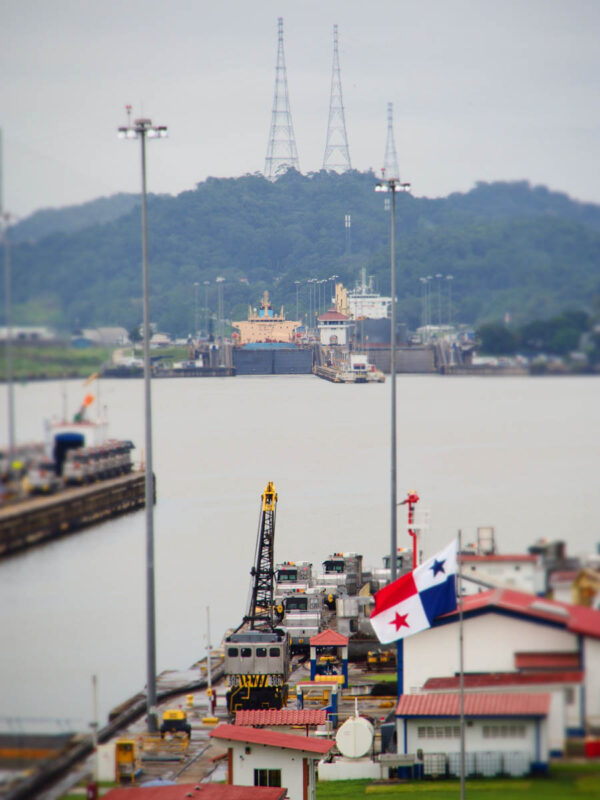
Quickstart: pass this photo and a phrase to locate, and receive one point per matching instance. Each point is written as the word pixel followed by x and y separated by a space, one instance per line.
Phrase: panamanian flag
pixel 411 603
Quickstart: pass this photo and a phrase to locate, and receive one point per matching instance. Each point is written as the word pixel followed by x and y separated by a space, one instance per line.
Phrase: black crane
pixel 260 611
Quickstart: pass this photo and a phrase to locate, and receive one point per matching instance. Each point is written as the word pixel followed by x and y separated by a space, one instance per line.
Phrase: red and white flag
pixel 411 603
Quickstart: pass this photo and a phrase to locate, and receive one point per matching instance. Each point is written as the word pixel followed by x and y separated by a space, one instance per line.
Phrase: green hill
pixel 510 247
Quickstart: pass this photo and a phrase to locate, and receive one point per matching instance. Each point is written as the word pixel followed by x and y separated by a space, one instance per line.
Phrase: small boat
pixel 355 369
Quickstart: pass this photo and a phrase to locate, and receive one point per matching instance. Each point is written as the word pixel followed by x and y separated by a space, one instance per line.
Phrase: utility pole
pixel 337 154
pixel 281 151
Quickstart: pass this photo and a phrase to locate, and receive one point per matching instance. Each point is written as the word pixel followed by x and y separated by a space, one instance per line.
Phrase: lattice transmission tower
pixel 390 162
pixel 281 151
pixel 337 155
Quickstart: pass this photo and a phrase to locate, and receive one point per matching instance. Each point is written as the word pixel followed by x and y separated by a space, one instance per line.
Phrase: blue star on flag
pixel 438 566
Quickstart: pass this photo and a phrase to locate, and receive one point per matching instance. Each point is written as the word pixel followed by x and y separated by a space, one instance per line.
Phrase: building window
pixel 246 652
pixel 438 732
pixel 232 652
pixel 274 652
pixel 504 731
pixel 267 777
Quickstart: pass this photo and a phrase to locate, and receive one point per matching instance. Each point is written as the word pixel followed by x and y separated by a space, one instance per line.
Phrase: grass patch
pixel 579 781
pixel 31 362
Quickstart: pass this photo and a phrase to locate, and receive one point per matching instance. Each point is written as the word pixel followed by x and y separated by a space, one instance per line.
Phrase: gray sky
pixel 482 90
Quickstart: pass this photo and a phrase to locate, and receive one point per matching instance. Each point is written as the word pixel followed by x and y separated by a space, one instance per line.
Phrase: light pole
pixel 206 285
pixel 439 277
pixel 333 279
pixel 221 321
pixel 429 314
pixel 297 284
pixel 4 228
pixel 423 282
pixel 348 228
pixel 196 284
pixel 393 185
pixel 449 279
pixel 142 129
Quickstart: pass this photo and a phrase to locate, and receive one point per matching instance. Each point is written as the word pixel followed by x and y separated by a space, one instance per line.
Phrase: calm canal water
pixel 521 454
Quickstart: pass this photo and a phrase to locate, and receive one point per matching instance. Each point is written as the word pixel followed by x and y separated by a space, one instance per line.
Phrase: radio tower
pixel 337 155
pixel 391 160
pixel 281 152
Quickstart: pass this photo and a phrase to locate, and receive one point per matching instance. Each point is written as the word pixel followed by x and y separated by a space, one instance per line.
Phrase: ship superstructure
pixel 265 326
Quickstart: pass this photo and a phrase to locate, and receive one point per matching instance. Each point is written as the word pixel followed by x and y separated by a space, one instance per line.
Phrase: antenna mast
pixel 391 160
pixel 281 152
pixel 337 155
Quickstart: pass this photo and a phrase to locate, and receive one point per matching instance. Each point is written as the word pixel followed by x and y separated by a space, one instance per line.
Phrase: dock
pixel 42 518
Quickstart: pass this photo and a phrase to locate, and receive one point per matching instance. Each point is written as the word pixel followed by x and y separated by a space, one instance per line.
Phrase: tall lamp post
pixel 196 284
pixel 449 279
pixel 4 228
pixel 393 185
pixel 206 285
pixel 142 129
pixel 297 284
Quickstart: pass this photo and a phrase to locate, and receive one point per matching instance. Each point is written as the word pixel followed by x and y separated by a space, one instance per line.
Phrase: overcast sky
pixel 482 90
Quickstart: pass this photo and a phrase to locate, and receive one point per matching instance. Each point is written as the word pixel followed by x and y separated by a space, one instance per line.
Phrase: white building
pixel 259 757
pixel 334 328
pixel 565 688
pixel 504 630
pixel 499 728
pixel 523 572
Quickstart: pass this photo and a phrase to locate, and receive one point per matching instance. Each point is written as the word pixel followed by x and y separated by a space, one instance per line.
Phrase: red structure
pixel 411 500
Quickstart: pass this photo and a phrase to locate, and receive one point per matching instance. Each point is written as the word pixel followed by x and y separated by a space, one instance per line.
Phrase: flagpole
pixel 461 674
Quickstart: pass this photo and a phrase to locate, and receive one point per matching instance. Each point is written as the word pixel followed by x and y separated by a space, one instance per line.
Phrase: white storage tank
pixel 355 737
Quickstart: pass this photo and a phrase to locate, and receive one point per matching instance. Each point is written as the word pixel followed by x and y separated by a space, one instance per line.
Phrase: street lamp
pixel 333 279
pixel 196 284
pixel 439 277
pixel 5 220
pixel 297 284
pixel 393 185
pixel 220 321
pixel 206 285
pixel 142 129
pixel 423 282
pixel 450 278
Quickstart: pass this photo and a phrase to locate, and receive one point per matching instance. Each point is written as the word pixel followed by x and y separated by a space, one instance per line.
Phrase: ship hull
pixel 273 361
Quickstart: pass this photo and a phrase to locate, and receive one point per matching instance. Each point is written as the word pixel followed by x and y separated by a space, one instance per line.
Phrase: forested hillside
pixel 511 248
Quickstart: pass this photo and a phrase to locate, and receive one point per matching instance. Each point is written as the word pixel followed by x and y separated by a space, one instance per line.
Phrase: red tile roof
pixel 503 679
pixel 329 638
pixel 547 661
pixel 206 791
pixel 484 704
pixel 332 316
pixel 281 716
pixel 287 741
pixel 577 619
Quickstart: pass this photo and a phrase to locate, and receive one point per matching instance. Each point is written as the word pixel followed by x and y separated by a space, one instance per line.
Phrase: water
pixel 520 454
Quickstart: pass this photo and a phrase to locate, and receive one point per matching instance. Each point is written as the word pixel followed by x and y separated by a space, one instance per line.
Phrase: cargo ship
pixel 268 344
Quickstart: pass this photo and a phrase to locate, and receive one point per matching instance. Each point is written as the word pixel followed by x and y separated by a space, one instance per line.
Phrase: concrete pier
pixel 38 519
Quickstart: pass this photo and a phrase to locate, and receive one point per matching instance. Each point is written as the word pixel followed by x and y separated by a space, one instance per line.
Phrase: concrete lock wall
pixel 408 359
